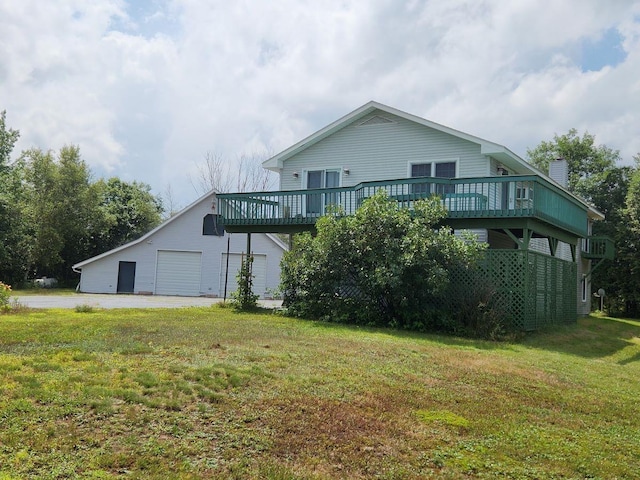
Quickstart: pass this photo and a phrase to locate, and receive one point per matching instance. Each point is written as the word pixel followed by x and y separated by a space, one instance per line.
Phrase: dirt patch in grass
pixel 376 435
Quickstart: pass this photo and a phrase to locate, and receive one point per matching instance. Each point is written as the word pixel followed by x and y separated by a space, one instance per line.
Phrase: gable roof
pixel 210 196
pixel 487 148
pixel 494 150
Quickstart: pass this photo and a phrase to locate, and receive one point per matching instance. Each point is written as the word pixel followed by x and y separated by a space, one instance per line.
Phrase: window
pixel 436 170
pixel 316 202
pixel 584 289
pixel 212 225
pixel 445 170
pixel 421 170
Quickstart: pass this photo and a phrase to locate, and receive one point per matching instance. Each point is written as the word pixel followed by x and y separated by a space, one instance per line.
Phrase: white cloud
pixel 147 89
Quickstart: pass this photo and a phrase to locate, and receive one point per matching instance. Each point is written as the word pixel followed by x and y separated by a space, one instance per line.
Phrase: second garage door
pixel 178 273
pixel 259 271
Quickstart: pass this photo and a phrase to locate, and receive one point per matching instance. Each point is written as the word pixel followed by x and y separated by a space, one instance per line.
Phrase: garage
pixel 178 273
pixel 235 261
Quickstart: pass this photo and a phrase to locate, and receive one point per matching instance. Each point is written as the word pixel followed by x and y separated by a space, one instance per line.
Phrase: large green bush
pixel 385 266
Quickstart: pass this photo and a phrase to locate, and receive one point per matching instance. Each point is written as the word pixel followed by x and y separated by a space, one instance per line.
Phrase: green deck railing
pixel 481 197
pixel 598 247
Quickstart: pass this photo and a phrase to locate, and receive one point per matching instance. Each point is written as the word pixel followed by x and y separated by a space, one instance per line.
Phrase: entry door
pixel 316 202
pixel 126 277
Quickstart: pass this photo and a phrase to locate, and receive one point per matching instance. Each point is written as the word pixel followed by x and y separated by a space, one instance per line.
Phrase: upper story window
pixel 212 225
pixel 436 170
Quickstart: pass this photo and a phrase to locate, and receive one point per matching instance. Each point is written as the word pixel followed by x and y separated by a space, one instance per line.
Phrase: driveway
pixel 124 301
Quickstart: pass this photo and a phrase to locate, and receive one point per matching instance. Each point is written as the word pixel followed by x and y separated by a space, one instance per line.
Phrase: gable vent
pixel 376 120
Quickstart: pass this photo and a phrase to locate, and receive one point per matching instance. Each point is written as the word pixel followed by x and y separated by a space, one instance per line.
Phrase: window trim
pixel 305 175
pixel 455 160
pixel 433 163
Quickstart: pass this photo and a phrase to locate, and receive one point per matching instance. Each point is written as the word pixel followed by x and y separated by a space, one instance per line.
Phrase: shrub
pixel 84 308
pixel 385 266
pixel 244 298
pixel 5 294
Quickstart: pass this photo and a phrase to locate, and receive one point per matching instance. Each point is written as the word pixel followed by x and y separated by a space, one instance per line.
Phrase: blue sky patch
pixel 605 51
pixel 148 18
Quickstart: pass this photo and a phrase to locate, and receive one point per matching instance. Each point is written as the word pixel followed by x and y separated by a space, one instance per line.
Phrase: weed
pixel 5 294
pixel 84 308
pixel 444 416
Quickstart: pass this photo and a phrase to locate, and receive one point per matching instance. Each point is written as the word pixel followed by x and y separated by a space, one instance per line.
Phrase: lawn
pixel 209 393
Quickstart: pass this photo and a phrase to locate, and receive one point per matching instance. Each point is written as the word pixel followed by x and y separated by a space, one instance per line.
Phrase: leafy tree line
pixel 596 176
pixel 53 214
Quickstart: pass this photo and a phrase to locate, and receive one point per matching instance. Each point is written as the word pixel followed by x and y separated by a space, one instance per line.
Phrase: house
pixel 190 254
pixel 540 252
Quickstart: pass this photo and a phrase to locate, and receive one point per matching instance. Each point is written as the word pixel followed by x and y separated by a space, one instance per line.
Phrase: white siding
pixel 563 251
pixel 383 152
pixel 184 234
pixel 480 234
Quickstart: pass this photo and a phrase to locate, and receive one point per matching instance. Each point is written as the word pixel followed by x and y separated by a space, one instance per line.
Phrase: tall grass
pixel 210 393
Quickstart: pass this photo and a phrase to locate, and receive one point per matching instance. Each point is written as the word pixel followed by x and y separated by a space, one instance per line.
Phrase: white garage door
pixel 259 271
pixel 178 273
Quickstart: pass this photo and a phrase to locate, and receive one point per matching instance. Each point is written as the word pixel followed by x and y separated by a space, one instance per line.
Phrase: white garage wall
pixel 181 233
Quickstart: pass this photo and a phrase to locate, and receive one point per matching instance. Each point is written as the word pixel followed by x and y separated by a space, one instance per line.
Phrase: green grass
pixel 210 393
pixel 25 292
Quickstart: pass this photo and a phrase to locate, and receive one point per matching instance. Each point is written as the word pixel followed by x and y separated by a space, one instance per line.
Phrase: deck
pixel 470 202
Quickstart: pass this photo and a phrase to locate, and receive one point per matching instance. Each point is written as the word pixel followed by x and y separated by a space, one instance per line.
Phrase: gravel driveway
pixel 123 301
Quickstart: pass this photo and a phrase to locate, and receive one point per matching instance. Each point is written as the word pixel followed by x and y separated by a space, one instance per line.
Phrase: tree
pixel 129 211
pixel 14 240
pixel 8 139
pixel 633 199
pixel 586 160
pixel 217 175
pixel 385 265
pixel 595 176
pixel 62 207
pixel 626 277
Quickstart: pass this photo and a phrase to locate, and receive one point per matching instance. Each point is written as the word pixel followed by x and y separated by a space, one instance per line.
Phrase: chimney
pixel 559 171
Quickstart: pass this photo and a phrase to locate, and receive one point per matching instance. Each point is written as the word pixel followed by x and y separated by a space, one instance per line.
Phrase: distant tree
pixel 595 176
pixel 169 203
pixel 633 198
pixel 216 174
pixel 252 176
pixel 14 235
pixel 8 139
pixel 129 210
pixel 62 207
pixel 586 160
pixel 40 171
pixel 627 275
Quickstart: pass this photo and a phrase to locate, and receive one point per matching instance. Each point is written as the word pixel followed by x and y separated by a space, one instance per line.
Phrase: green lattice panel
pixel 533 289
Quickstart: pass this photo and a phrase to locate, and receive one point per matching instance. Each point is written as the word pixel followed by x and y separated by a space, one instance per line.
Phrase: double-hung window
pixel 435 170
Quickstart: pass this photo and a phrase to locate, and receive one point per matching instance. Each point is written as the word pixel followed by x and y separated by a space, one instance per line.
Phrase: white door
pixel 259 271
pixel 178 273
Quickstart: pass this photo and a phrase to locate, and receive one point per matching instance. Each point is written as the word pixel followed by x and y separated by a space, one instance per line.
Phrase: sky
pixel 147 88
